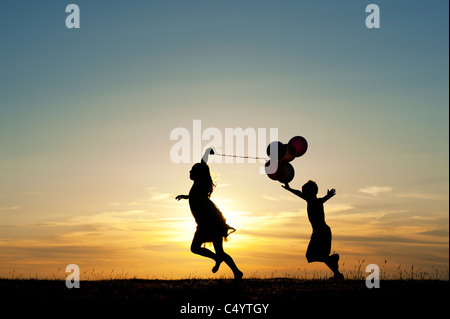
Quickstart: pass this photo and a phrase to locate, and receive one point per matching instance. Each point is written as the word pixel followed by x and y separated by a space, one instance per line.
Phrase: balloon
pixel 287 174
pixel 282 154
pixel 279 170
pixel 284 172
pixel 289 153
pixel 300 144
pixel 276 150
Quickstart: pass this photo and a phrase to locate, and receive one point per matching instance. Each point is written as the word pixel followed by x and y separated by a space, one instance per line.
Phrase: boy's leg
pixel 330 260
pixel 319 250
pixel 332 263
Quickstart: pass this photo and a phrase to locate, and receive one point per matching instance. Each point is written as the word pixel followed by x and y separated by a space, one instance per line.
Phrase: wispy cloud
pixel 159 197
pixel 423 196
pixel 156 196
pixel 17 207
pixel 375 190
pixel 339 208
pixel 222 185
pixel 275 199
pixel 280 198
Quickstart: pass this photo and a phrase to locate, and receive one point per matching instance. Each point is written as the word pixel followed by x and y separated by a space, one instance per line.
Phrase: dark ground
pixel 287 298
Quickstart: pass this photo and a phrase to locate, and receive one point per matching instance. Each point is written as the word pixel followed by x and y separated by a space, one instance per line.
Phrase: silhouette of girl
pixel 211 225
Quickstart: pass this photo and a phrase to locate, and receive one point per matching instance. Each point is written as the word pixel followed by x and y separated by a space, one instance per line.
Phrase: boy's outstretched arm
pixel 330 193
pixel 293 191
pixel 182 197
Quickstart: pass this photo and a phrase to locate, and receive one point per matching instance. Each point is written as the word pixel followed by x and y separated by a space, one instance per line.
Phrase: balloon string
pixel 252 157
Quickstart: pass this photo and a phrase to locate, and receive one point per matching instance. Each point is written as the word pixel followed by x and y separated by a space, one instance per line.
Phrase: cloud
pixel 423 196
pixel 375 190
pixel 340 208
pixel 222 185
pixel 436 233
pixel 275 199
pixel 17 207
pixel 158 196
pixel 374 239
pixel 280 198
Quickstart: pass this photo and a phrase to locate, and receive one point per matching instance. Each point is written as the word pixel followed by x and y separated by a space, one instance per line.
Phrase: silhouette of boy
pixel 320 244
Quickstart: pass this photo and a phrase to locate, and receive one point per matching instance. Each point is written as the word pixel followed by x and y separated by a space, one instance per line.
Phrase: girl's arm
pixel 182 197
pixel 293 191
pixel 209 151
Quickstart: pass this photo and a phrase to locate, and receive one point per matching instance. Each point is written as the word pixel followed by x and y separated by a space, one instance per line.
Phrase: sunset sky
pixel 86 115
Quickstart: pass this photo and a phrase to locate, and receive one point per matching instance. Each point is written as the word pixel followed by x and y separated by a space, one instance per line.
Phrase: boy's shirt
pixel 316 213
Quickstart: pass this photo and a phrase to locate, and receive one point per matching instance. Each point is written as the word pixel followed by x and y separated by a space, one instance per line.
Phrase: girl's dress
pixel 211 225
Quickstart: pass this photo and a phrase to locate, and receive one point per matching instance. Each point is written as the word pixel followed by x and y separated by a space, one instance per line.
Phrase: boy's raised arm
pixel 330 193
pixel 293 191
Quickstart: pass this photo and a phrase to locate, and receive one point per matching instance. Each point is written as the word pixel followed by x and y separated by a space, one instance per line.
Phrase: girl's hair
pixel 203 177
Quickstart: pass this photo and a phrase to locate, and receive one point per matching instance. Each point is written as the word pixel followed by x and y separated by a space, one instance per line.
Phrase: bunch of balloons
pixel 282 154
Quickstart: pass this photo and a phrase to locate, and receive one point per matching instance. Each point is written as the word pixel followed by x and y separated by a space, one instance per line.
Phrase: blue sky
pixel 86 114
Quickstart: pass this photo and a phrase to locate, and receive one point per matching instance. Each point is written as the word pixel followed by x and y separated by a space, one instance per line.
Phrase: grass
pixel 409 290
pixel 355 272
pixel 284 295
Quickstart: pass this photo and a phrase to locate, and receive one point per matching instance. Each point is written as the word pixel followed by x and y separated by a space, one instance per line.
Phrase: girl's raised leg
pixel 196 248
pixel 221 255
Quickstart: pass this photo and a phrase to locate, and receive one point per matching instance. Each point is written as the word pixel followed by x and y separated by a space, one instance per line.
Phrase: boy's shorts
pixel 320 244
